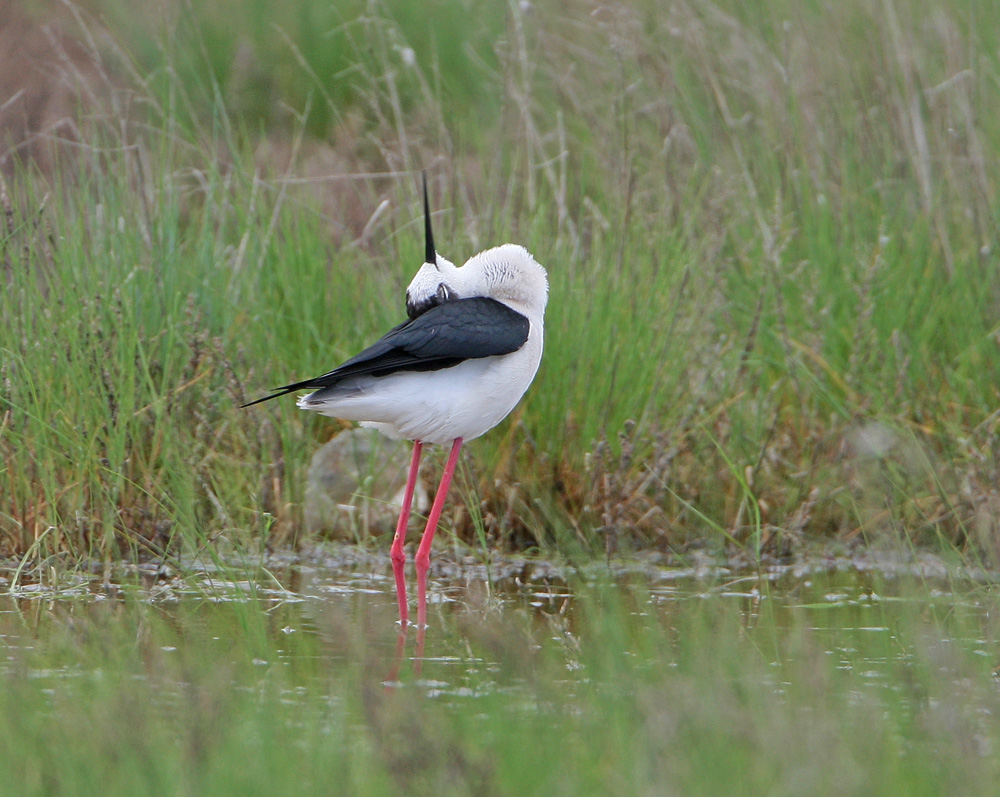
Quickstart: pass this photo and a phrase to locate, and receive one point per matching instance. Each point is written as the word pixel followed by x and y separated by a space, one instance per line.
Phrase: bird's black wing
pixel 443 336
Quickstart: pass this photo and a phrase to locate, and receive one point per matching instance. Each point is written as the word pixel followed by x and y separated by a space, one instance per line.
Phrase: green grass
pixel 271 65
pixel 702 695
pixel 770 234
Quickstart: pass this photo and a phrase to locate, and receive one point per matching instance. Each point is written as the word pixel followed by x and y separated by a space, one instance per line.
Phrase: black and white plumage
pixel 450 373
pixel 455 370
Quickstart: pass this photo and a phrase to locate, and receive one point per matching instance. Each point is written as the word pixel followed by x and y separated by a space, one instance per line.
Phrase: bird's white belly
pixel 466 400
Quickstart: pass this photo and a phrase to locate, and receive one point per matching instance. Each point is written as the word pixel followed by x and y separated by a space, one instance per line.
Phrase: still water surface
pixel 336 609
pixel 830 677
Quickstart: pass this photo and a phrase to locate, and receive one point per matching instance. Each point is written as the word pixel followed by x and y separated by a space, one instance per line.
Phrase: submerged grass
pixel 771 237
pixel 618 694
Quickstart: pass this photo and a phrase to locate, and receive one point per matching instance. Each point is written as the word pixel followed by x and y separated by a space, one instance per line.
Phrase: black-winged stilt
pixel 447 375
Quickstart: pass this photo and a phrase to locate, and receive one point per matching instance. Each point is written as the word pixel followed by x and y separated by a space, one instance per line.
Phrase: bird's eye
pixel 416 307
pixel 444 294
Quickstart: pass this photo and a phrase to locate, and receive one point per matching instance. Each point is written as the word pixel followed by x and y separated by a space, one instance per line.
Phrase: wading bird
pixel 447 375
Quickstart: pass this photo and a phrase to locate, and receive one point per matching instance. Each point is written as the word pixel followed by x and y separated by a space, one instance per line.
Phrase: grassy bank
pixel 771 238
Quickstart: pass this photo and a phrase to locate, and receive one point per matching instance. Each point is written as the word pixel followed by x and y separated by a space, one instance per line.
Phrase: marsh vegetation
pixel 772 343
pixel 770 236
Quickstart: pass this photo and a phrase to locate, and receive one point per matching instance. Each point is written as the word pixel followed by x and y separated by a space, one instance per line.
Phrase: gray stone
pixel 355 486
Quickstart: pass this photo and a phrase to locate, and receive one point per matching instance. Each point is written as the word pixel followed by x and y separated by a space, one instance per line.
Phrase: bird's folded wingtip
pixel 258 401
pixel 430 254
pixel 278 391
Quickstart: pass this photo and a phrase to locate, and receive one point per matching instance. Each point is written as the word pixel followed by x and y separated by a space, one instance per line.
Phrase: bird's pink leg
pixel 423 557
pixel 396 551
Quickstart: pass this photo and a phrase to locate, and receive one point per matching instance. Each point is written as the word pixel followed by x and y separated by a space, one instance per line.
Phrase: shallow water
pixel 336 609
pixel 830 677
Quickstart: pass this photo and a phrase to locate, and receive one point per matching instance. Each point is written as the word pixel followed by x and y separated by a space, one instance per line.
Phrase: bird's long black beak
pixel 430 254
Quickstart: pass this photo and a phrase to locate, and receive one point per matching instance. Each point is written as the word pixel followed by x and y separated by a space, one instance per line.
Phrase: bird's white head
pixel 431 285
